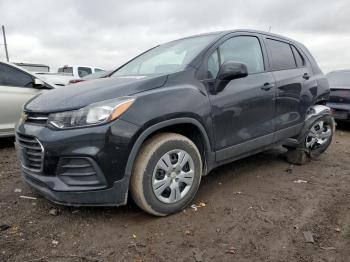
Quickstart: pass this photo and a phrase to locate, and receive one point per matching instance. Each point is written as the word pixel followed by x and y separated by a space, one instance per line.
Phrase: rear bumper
pixel 341 112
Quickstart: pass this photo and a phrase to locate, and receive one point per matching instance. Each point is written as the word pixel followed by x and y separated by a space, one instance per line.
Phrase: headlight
pixel 94 114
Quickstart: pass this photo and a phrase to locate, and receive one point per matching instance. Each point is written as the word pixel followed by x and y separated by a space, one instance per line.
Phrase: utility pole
pixel 5 43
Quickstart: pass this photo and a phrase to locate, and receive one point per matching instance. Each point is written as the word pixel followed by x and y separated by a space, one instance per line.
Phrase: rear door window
pixel 84 71
pixel 282 55
pixel 10 76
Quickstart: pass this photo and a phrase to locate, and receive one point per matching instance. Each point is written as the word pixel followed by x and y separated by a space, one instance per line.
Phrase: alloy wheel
pixel 319 134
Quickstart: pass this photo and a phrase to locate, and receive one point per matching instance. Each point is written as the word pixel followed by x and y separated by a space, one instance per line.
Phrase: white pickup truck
pixel 67 73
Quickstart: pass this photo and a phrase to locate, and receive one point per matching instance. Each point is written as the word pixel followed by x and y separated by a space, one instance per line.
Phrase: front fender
pixel 143 136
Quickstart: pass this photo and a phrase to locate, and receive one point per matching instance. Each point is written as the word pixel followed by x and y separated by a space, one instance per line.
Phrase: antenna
pixel 269 29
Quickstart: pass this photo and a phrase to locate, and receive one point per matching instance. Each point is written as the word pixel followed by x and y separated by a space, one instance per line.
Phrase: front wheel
pixel 166 175
pixel 313 141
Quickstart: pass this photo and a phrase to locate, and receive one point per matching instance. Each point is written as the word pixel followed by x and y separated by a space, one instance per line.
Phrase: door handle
pixel 267 86
pixel 306 76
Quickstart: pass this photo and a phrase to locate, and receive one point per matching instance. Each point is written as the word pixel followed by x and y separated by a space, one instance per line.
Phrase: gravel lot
pixel 253 211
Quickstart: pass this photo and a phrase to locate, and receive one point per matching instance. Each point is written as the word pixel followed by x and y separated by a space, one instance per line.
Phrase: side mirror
pixel 232 70
pixel 39 83
pixel 228 71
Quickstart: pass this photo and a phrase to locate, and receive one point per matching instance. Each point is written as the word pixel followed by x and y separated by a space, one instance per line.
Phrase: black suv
pixel 169 116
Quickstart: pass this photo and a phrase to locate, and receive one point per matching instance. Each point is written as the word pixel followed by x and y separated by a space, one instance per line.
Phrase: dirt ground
pixel 254 211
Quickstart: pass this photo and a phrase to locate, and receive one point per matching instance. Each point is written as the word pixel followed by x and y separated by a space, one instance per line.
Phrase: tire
pixel 164 179
pixel 306 149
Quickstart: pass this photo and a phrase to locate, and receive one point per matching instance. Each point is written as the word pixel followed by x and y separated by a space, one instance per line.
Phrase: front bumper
pixel 341 112
pixel 80 167
pixel 115 196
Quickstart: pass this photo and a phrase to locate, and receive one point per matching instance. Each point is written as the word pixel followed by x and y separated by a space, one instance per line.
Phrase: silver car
pixel 17 86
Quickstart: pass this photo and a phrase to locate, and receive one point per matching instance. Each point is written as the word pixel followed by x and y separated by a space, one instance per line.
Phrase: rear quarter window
pixel 298 57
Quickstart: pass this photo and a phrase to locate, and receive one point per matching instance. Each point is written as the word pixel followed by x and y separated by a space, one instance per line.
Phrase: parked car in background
pixel 17 86
pixel 169 116
pixel 100 74
pixel 78 71
pixel 34 67
pixel 58 79
pixel 68 73
pixel 339 101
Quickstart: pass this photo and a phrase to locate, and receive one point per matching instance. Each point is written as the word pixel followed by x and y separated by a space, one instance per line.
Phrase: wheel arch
pixel 314 112
pixel 173 125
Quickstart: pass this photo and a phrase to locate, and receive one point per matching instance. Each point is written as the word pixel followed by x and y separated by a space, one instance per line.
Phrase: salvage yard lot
pixel 254 211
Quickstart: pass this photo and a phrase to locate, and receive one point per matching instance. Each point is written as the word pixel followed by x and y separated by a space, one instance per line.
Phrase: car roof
pixel 220 34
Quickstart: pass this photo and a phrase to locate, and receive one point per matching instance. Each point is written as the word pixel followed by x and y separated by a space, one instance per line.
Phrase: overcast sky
pixel 106 33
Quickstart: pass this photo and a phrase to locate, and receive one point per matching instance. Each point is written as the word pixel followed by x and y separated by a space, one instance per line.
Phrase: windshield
pixel 167 58
pixel 339 78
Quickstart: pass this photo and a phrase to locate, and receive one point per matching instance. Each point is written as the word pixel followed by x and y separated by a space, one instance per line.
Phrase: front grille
pixel 31 152
pixel 36 118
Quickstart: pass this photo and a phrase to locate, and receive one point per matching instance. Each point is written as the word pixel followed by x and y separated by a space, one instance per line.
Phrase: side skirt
pixel 256 145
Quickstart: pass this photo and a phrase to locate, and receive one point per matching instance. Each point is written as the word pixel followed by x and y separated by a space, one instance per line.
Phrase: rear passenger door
pixel 16 88
pixel 288 68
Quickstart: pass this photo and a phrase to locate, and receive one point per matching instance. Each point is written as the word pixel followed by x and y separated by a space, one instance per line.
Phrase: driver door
pixel 243 112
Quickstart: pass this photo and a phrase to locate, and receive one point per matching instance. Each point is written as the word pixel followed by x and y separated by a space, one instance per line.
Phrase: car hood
pixel 78 95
